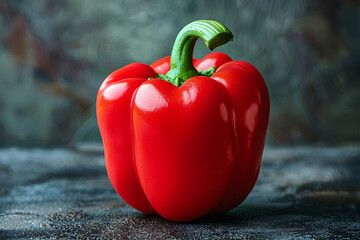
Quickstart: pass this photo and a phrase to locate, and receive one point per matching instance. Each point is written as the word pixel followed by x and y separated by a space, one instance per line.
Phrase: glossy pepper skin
pixel 190 144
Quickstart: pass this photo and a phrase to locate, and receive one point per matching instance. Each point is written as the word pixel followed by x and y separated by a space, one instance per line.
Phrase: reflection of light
pixel 148 98
pixel 224 112
pixel 189 95
pixel 115 91
pixel 222 81
pixel 229 152
pixel 251 117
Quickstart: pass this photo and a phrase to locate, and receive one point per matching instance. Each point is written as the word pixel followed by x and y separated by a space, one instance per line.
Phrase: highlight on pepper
pixel 184 137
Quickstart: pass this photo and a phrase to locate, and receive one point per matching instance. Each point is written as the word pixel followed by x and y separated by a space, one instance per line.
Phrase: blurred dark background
pixel 55 54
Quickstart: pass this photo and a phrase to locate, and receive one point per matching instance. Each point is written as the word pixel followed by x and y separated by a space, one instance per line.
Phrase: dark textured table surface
pixel 302 193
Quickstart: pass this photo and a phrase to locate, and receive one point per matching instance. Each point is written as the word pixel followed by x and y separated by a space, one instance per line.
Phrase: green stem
pixel 212 32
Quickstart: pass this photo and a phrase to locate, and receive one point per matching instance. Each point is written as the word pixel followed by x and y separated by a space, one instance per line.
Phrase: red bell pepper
pixel 184 137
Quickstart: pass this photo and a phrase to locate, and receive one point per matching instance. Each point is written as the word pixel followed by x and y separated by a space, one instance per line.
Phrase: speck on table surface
pixel 302 193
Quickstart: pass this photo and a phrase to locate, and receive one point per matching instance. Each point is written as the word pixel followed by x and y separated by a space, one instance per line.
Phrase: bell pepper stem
pixel 212 32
